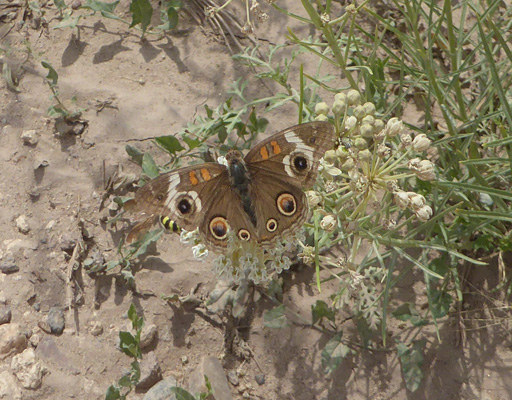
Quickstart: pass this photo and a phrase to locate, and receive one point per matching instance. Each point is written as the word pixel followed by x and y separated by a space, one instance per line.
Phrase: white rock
pixel 12 340
pixel 22 224
pixel 28 369
pixel 9 389
pixel 29 137
pixel 148 335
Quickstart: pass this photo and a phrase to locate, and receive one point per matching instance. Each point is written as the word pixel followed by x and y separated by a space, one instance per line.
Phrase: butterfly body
pixel 258 197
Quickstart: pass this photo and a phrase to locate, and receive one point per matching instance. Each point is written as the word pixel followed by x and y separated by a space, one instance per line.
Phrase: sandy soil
pixel 155 87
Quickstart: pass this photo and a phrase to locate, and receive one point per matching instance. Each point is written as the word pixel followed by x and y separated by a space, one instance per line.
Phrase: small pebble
pixel 29 137
pixel 233 378
pixel 260 379
pixel 56 320
pixel 37 306
pixel 184 360
pixel 22 224
pixel 96 328
pixel 76 4
pixel 8 267
pixel 5 315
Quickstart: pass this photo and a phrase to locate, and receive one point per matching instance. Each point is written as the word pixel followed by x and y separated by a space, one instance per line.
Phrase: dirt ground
pixel 154 87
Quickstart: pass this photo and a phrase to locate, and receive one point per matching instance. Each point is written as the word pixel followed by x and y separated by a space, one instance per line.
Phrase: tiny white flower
pixel 200 251
pixel 383 151
pixel 416 200
pixel 405 139
pixel 314 198
pixel 424 213
pixel 401 199
pixel 222 160
pixel 328 223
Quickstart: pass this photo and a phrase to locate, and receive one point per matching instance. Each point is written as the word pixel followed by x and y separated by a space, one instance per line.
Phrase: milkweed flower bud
pixel 421 143
pixel 360 143
pixel 340 97
pixel 366 130
pixel 394 127
pixel 353 97
pixel 322 108
pixel 338 107
pixel 359 112
pixel 350 122
pixel 369 108
pixel 423 169
pixel 378 126
pixel 321 117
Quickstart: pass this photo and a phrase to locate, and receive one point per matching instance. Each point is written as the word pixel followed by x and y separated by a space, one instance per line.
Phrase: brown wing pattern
pixel 280 153
pixel 198 183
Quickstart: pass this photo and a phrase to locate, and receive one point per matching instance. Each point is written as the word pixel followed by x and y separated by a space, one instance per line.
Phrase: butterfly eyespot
pixel 243 234
pixel 271 225
pixel 184 206
pixel 160 197
pixel 300 163
pixel 219 228
pixel 286 204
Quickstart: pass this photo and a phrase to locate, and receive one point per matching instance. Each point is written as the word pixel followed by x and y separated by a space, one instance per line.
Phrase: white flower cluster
pixel 414 201
pixel 248 260
pixel 371 154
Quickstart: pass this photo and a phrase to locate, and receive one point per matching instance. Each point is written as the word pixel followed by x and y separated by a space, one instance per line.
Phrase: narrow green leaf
pixel 320 310
pixel 141 13
pixel 169 143
pixel 333 353
pixel 276 318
